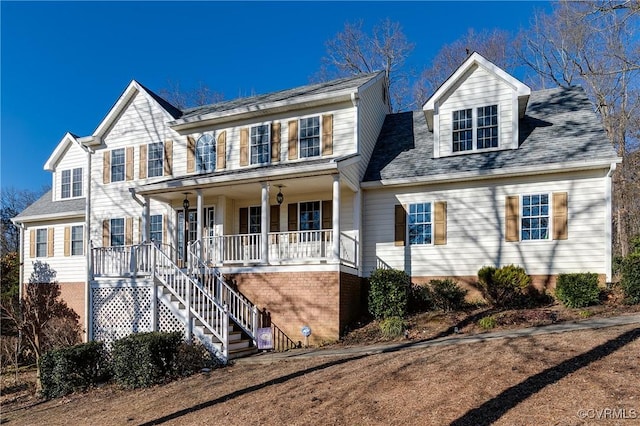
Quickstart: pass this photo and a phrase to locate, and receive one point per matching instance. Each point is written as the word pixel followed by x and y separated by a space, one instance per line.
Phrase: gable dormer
pixel 68 166
pixel 476 110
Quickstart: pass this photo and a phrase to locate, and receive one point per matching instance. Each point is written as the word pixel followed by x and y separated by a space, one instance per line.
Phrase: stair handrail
pixel 199 302
pixel 241 310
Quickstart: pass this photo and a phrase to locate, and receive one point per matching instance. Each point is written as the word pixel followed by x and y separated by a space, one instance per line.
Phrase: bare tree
pixel 188 98
pixel 13 201
pixel 596 45
pixel 38 308
pixel 496 46
pixel 353 51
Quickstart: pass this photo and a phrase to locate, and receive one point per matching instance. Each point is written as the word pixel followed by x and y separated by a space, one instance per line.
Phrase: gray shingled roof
pixel 45 206
pixel 559 126
pixel 308 90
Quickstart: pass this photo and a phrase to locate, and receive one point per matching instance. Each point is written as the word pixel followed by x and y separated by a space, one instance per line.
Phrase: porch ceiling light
pixel 279 197
pixel 185 203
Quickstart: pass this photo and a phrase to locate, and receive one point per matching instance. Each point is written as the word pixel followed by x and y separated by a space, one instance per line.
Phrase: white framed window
pixel 420 224
pixel 309 129
pixel 117 165
pixel 77 240
pixel 255 220
pixel 310 216
pixel 534 222
pixel 155 228
pixel 116 231
pixel 260 144
pixel 155 159
pixel 41 242
pixel 475 129
pixel 206 153
pixel 71 183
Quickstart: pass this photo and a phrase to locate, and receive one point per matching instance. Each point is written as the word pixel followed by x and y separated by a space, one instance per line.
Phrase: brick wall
pixel 296 299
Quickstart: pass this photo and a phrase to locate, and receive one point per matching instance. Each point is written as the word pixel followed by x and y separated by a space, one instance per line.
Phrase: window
pixel 260 144
pixel 206 154
pixel 117 165
pixel 71 187
pixel 420 224
pixel 535 217
pixel 486 128
pixel 41 242
pixel 462 130
pixel 155 159
pixel 155 228
pixel 310 216
pixel 116 230
pixel 310 137
pixel 255 220
pixel 77 240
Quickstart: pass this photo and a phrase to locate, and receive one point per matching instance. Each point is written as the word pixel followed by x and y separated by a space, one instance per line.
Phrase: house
pixel 274 209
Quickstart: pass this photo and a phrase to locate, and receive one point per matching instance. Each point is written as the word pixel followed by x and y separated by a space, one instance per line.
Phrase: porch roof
pixel 269 173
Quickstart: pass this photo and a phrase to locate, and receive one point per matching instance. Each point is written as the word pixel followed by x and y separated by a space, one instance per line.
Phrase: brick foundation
pixel 324 301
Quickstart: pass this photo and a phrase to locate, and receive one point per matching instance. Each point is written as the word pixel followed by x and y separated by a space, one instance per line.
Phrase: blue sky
pixel 64 64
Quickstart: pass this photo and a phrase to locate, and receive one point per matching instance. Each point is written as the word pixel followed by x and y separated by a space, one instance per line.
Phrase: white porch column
pixel 146 219
pixel 199 203
pixel 264 225
pixel 336 217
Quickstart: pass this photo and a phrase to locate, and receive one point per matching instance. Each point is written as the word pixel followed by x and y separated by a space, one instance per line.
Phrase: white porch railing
pixel 121 261
pixel 285 246
pixel 241 310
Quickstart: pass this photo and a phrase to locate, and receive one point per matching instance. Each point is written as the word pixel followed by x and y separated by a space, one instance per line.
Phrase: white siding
pixel 372 111
pixel 73 157
pixel 69 269
pixel 478 88
pixel 475 228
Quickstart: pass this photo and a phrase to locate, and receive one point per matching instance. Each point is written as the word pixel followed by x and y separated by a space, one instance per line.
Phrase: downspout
pixel 87 247
pixel 608 224
pixel 357 208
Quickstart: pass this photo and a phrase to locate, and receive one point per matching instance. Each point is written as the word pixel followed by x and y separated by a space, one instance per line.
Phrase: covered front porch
pixel 290 220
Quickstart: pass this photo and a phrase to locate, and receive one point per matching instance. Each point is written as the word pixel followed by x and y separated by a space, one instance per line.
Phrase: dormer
pixel 476 110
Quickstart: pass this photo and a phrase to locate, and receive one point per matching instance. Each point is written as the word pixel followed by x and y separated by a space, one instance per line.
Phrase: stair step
pixel 240 344
pixel 239 353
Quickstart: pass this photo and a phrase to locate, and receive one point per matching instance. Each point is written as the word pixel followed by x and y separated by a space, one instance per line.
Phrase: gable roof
pixel 559 131
pixel 311 94
pixel 123 101
pixel 477 60
pixel 61 148
pixel 45 208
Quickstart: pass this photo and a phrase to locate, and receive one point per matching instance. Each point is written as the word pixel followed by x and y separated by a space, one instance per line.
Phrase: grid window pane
pixel 155 228
pixel 462 130
pixel 420 224
pixel 260 144
pixel 535 217
pixel 117 165
pixel 206 154
pixel 77 182
pixel 117 232
pixel 65 190
pixel 77 240
pixel 255 220
pixel 155 159
pixel 310 137
pixel 41 243
pixel 310 216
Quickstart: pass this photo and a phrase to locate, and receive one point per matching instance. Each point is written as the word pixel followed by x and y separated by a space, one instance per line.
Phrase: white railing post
pixel 225 331
pixel 254 324
pixel 336 218
pixel 91 261
pixel 189 325
pixel 133 261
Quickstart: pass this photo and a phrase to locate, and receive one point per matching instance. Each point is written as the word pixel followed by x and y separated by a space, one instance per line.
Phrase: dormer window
pixel 475 129
pixel 206 154
pixel 71 183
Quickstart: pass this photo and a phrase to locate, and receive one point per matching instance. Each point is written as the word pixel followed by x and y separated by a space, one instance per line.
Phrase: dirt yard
pixel 582 377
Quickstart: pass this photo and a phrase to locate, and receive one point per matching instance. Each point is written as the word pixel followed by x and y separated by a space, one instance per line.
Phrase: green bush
pixel 447 295
pixel 145 359
pixel 72 369
pixel 420 298
pixel 487 322
pixel 388 293
pixel 578 290
pixel 630 282
pixel 192 357
pixel 503 287
pixel 392 327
